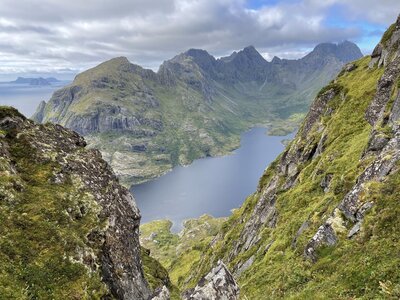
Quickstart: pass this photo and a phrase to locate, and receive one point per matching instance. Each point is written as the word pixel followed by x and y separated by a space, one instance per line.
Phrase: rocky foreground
pixel 69 229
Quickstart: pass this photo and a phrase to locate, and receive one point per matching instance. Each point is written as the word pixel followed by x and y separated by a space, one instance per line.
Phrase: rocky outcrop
pixel 111 247
pixel 325 236
pixel 218 284
pixel 39 114
pixel 161 294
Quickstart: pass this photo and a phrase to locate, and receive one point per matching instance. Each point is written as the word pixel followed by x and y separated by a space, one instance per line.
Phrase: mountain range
pixel 323 223
pixel 146 122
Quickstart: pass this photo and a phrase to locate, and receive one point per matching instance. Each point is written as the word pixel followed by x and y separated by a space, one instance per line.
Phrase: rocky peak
pixel 117 61
pixel 218 284
pixel 249 56
pixel 348 51
pixel 344 52
pixel 201 57
pixel 276 60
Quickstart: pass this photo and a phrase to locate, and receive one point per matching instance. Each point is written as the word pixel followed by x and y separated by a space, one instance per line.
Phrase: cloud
pixel 59 34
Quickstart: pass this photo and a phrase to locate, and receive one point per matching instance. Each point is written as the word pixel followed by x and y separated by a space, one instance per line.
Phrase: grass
pixel 357 268
pixel 39 241
pixel 178 253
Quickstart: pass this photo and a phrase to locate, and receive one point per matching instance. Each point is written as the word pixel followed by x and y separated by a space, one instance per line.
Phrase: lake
pixel 25 97
pixel 213 185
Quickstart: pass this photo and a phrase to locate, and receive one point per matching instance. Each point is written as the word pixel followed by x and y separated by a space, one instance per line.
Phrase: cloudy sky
pixel 64 36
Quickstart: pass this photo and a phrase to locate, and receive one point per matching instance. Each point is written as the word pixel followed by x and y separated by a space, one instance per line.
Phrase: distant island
pixel 35 81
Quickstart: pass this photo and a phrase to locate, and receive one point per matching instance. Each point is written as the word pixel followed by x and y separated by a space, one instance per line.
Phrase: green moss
pixel 156 275
pixel 9 111
pixel 388 34
pixel 353 268
pixel 39 241
pixel 332 86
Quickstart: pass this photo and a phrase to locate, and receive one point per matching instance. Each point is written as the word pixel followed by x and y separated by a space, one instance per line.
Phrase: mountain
pixel 324 221
pixel 35 81
pixel 69 229
pixel 145 123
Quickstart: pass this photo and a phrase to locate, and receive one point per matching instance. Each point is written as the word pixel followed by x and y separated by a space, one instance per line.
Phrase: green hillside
pixel 145 123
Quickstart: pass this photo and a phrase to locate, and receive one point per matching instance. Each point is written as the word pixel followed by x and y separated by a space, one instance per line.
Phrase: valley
pixel 213 185
pixel 230 177
pixel 145 123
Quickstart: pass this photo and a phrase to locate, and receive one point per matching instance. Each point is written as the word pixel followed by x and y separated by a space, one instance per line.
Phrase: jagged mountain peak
pixel 344 51
pixel 250 53
pixel 201 57
pixel 193 52
pixel 276 59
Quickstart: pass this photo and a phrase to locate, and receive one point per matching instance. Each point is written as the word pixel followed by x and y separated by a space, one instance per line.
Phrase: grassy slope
pixel 361 267
pixel 179 252
pixel 156 275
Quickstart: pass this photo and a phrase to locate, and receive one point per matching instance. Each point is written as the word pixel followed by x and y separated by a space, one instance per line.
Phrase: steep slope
pixel 324 221
pixel 177 252
pixel 69 229
pixel 144 123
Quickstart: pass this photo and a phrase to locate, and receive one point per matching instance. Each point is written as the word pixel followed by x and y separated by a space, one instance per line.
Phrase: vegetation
pixel 39 240
pixel 156 275
pixel 178 253
pixel 187 110
pixel 362 267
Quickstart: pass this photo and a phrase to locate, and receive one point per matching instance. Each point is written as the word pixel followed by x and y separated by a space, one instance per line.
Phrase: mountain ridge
pixel 194 106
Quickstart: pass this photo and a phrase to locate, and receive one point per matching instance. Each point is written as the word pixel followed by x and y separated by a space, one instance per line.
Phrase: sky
pixel 63 37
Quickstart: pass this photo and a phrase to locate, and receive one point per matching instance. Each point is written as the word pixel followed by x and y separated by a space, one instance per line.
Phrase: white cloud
pixel 56 34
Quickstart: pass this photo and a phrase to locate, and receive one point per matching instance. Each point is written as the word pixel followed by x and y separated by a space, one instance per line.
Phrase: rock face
pixel 326 210
pixel 219 284
pixel 194 106
pixel 71 195
pixel 161 294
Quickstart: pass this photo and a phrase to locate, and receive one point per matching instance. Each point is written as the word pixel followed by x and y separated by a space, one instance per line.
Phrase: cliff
pixel 69 229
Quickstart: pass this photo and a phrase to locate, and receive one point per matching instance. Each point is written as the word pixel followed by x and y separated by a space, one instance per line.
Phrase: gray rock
pixel 353 231
pixel 325 182
pixel 264 213
pixel 350 67
pixel 39 114
pixel 325 236
pixel 219 284
pixel 244 266
pixel 376 108
pixel 299 232
pixel 377 141
pixel 161 294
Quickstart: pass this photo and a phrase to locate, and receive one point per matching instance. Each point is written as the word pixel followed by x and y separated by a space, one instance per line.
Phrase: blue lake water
pixel 213 185
pixel 25 97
